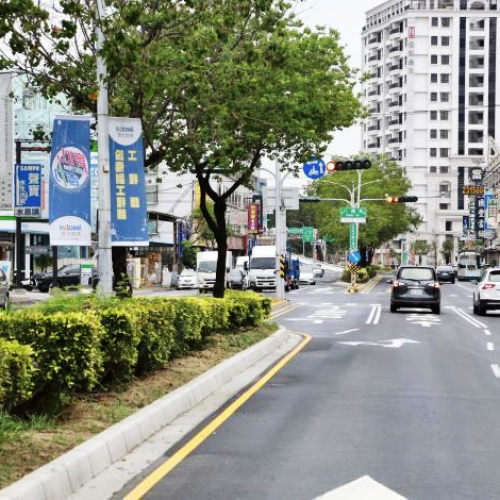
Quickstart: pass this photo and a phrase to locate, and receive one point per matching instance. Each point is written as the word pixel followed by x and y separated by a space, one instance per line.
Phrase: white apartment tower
pixel 432 95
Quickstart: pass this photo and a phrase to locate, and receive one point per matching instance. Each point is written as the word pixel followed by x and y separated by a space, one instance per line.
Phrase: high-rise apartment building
pixel 432 94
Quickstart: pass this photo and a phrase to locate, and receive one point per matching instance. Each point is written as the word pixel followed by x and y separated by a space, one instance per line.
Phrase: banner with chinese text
pixel 253 218
pixel 129 216
pixel 69 184
pixel 27 190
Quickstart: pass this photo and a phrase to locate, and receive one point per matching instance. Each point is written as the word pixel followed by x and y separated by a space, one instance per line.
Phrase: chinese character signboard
pixel 69 185
pixel 27 190
pixel 473 190
pixel 129 216
pixel 253 218
pixel 411 31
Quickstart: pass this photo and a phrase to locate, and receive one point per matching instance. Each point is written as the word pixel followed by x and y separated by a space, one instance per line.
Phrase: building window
pixel 445 78
pixel 444 115
pixel 445 41
pixel 434 59
pixel 434 96
pixel 434 40
pixel 476 43
pixel 444 206
pixel 434 133
pixel 445 60
pixel 434 21
pixel 433 152
pixel 443 169
pixel 443 134
pixel 476 62
pixel 434 115
pixel 444 190
pixel 448 225
pixel 445 97
pixel 476 136
pixel 152 194
pixel 433 170
pixel 446 22
pixel 476 118
pixel 475 152
pixel 476 99
pixel 434 78
pixel 443 152
pixel 476 80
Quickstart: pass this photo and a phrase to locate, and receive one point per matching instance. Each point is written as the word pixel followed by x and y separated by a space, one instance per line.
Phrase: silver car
pixel 487 292
pixel 187 279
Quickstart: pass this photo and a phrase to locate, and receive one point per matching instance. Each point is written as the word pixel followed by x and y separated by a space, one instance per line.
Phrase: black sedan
pixel 416 286
pixel 445 274
pixel 67 276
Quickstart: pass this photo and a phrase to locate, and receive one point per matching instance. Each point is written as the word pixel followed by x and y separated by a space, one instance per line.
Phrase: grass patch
pixel 26 445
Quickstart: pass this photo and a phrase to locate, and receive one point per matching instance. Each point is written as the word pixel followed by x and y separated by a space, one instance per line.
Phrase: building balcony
pixel 392 104
pixel 393 123
pixel 373 128
pixel 373 58
pixel 393 140
pixel 373 92
pixel 374 40
pixel 392 50
pixel 395 85
pixel 394 32
pixel 394 67
pixel 373 145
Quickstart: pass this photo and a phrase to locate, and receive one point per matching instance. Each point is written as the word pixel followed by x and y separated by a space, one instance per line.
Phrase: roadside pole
pixel 105 261
pixel 280 228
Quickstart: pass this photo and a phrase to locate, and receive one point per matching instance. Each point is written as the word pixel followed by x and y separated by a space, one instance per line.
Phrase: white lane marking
pixel 487 332
pixel 490 346
pixel 317 322
pixel 496 370
pixel 453 295
pixel 374 316
pixel 474 322
pixel 391 343
pixel 364 488
pixel 347 331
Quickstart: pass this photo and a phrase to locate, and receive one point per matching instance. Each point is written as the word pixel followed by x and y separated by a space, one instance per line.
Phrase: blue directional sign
pixel 354 256
pixel 28 190
pixel 314 169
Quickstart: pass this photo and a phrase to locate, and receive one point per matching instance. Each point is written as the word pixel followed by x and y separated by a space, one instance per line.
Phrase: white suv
pixel 487 292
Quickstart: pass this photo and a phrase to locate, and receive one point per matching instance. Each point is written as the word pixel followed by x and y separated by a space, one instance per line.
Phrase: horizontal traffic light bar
pixel 338 165
pixel 309 199
pixel 401 199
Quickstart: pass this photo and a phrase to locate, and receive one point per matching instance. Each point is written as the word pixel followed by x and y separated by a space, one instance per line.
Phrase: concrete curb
pixel 60 478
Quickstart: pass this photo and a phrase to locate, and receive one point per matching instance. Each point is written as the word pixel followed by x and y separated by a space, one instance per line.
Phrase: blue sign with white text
pixel 314 169
pixel 69 186
pixel 354 257
pixel 28 190
pixel 129 216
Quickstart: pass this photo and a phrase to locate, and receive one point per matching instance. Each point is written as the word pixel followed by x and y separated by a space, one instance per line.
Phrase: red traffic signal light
pixel 337 165
pixel 401 199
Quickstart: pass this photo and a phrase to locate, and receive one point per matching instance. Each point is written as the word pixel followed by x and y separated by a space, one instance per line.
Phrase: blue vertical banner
pixel 69 184
pixel 28 190
pixel 129 216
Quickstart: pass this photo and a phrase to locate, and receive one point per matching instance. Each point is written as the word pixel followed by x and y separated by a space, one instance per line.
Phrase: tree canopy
pixel 217 85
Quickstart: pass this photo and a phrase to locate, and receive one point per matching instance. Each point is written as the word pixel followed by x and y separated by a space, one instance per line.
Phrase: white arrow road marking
pixel 374 316
pixel 347 331
pixel 317 322
pixel 391 343
pixel 364 488
pixel 487 332
pixel 496 370
pixel 468 318
pixel 490 346
pixel 424 320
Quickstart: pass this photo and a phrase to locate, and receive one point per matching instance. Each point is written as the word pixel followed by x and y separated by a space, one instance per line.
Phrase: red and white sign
pixel 253 218
pixel 411 31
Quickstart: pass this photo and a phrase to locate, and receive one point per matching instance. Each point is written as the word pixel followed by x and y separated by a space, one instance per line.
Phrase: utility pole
pixel 105 262
pixel 280 228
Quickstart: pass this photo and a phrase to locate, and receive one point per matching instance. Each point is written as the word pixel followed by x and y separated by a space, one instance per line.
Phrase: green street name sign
pixel 295 230
pixel 349 214
pixel 308 234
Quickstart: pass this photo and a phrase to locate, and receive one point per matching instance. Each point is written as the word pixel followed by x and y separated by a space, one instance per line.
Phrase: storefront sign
pixel 253 218
pixel 69 185
pixel 129 216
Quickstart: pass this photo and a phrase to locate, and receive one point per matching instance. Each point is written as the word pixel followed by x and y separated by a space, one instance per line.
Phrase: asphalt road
pixel 410 399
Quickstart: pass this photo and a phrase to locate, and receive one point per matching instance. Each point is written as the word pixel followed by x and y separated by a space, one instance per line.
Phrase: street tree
pixel 384 221
pixel 218 85
pixel 447 249
pixel 420 248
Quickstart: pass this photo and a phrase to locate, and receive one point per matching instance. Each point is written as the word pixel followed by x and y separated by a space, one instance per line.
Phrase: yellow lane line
pixel 286 310
pixel 155 477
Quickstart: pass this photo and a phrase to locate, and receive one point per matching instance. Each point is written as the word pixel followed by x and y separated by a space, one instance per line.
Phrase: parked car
pixel 415 286
pixel 307 275
pixel 445 274
pixel 4 289
pixel 68 275
pixel 187 279
pixel 486 295
pixel 237 279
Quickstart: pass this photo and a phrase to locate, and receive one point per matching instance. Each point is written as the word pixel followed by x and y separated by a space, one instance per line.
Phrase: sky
pixel 348 18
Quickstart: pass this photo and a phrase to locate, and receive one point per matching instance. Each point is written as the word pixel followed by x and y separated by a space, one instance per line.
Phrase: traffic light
pixel 401 199
pixel 309 199
pixel 338 165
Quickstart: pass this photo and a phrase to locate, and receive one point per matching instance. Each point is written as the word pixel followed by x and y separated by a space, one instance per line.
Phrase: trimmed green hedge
pixel 16 370
pixel 95 343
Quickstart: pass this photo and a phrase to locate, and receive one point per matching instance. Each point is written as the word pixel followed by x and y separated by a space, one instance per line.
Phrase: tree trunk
pixel 221 238
pixel 121 282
